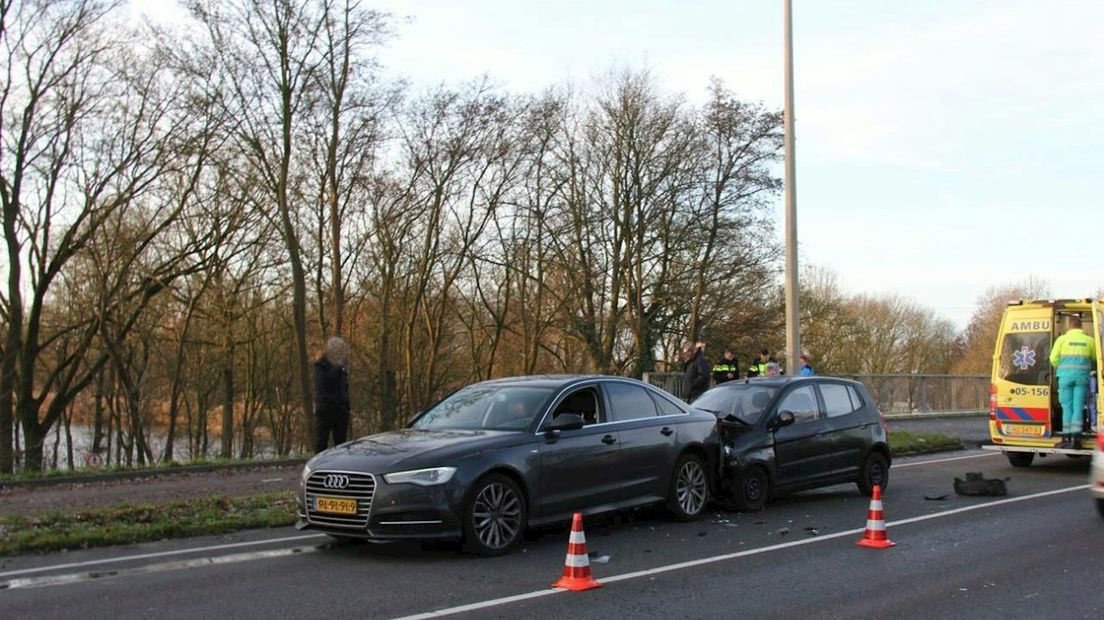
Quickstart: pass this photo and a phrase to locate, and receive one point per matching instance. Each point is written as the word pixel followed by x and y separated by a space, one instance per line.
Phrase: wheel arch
pixel 508 472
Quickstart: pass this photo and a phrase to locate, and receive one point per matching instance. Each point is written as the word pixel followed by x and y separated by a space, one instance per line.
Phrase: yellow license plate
pixel 1027 430
pixel 335 505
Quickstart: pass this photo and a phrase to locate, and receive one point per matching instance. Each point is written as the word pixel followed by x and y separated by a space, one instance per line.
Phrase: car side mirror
pixel 565 422
pixel 785 418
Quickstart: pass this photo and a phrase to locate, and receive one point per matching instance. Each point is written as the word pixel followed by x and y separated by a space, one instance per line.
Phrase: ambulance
pixel 1025 417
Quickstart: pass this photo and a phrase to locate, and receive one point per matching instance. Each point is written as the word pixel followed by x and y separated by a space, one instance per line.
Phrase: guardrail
pixel 899 393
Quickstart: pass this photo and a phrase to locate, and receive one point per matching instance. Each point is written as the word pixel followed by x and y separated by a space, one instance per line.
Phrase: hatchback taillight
pixel 885 423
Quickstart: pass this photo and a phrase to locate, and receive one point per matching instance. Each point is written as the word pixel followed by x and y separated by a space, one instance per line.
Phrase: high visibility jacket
pixel 1073 352
pixel 725 367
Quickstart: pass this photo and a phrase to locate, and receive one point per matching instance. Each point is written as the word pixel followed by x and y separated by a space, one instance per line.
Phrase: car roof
pixel 781 380
pixel 548 381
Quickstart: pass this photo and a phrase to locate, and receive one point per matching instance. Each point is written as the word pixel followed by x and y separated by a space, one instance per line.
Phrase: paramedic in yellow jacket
pixel 1073 356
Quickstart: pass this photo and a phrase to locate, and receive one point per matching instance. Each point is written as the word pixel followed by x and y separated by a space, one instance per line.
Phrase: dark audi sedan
pixel 790 433
pixel 496 457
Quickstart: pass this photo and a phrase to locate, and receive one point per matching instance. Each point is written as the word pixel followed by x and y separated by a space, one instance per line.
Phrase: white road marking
pixel 946 460
pixel 158 554
pixel 731 556
pixel 58 580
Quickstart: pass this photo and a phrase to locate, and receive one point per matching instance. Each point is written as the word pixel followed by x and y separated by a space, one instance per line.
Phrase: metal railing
pixel 903 393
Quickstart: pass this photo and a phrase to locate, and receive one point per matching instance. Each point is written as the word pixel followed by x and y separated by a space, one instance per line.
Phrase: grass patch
pixel 908 442
pixel 170 466
pixel 129 524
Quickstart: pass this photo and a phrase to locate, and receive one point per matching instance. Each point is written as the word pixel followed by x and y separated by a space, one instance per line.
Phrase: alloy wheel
pixel 496 515
pixel 692 488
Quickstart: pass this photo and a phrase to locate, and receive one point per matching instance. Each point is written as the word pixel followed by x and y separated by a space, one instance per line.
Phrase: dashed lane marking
pixel 70 578
pixel 158 554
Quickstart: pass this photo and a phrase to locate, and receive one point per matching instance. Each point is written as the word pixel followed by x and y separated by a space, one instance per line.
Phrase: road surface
pixel 1035 553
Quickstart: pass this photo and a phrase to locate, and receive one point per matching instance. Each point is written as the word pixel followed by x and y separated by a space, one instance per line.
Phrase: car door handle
pixel 609 439
pixel 821 433
pixel 666 431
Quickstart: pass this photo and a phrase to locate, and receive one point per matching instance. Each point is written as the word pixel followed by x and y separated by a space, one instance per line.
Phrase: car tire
pixel 875 471
pixel 1100 507
pixel 1020 459
pixel 752 490
pixel 494 516
pixel 689 492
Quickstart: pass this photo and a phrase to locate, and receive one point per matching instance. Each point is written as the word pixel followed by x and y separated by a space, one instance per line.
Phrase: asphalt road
pixel 1034 553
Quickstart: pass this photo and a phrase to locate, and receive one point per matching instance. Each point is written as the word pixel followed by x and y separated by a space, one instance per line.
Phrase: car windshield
pixel 746 401
pixel 486 407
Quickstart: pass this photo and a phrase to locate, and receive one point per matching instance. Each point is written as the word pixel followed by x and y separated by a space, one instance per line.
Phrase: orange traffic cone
pixel 875 535
pixel 576 574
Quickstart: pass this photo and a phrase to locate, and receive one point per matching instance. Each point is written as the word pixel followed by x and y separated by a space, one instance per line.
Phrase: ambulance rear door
pixel 1098 329
pixel 1022 374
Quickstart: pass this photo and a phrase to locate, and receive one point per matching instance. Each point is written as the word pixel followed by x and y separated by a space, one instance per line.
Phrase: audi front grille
pixel 345 485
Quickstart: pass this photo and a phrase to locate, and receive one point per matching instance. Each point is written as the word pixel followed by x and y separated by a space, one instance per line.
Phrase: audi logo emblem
pixel 335 481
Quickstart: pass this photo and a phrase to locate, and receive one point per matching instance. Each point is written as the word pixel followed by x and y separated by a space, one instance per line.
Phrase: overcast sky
pixel 943 146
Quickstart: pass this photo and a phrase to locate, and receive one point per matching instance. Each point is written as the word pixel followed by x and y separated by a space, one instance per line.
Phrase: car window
pixel 837 401
pixel 1025 358
pixel 746 401
pixel 485 407
pixel 584 402
pixel 802 403
pixel 666 404
pixel 629 402
pixel 856 400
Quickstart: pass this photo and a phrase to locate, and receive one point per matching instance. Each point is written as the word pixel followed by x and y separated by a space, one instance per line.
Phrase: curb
pixel 138 474
pixel 936 415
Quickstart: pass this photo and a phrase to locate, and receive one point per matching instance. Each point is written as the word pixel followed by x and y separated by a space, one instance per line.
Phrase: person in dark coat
pixel 331 395
pixel 695 378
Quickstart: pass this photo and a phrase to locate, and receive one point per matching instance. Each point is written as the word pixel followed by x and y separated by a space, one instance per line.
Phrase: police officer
pixel 726 368
pixel 1073 356
pixel 759 366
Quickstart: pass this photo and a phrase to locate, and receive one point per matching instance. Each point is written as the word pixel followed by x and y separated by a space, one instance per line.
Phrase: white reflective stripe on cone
pixel 876 504
pixel 877 526
pixel 577 538
pixel 576 561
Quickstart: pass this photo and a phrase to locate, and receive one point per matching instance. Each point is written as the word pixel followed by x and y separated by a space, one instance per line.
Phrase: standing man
pixel 695 378
pixel 727 368
pixel 331 394
pixel 1073 357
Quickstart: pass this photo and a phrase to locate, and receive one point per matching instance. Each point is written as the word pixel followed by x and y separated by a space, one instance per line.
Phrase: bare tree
pixel 269 54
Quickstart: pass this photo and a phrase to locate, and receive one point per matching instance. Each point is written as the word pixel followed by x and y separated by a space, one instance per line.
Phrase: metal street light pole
pixel 793 315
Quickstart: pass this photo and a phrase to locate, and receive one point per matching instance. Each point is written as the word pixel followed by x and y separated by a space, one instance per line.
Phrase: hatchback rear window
pixel 1025 358
pixel 837 401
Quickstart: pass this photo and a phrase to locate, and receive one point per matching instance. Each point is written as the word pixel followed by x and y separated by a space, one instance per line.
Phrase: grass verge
pixel 902 443
pixel 130 524
pixel 152 467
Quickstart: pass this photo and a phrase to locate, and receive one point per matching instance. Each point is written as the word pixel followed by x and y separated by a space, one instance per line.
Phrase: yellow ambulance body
pixel 1025 417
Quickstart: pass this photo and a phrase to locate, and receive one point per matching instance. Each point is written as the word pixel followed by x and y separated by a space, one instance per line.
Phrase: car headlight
pixel 421 477
pixel 306 474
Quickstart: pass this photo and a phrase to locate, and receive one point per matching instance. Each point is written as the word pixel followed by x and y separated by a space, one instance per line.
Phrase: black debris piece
pixel 976 484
